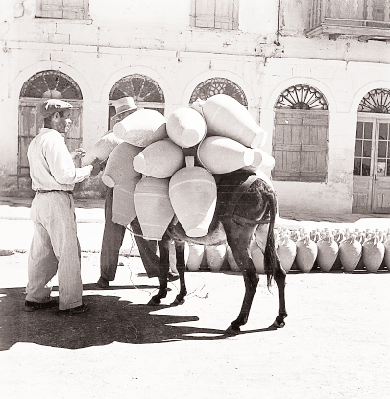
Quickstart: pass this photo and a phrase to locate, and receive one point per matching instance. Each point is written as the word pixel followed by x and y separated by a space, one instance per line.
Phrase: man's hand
pixel 95 167
pixel 78 153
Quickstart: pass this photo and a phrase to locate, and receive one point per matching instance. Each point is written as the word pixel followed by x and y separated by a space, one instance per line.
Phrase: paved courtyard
pixel 336 342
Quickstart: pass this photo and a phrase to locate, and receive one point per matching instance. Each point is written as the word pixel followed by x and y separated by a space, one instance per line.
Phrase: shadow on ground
pixel 109 319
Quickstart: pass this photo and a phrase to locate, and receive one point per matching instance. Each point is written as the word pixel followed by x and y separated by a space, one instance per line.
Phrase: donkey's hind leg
pixel 280 279
pixel 278 274
pixel 180 266
pixel 239 238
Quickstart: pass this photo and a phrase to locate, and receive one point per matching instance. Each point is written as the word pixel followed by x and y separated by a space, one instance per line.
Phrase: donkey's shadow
pixel 109 319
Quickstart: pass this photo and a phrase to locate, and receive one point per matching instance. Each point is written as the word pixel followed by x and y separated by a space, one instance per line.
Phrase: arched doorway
pixel 41 86
pixel 214 86
pixel 371 174
pixel 300 139
pixel 146 92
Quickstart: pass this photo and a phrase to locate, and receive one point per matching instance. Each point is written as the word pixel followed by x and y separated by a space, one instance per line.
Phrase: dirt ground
pixel 335 343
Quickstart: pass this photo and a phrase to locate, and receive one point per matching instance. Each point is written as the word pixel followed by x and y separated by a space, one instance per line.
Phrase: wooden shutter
pixel 221 14
pixel 62 9
pixel 301 145
pixel 28 129
pixel 203 13
pixel 226 14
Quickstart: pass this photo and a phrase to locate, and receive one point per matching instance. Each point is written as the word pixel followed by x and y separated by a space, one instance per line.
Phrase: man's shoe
pixel 103 283
pixel 33 306
pixel 77 310
pixel 173 277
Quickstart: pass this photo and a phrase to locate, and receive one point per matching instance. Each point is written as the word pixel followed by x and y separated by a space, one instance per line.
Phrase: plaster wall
pixel 154 38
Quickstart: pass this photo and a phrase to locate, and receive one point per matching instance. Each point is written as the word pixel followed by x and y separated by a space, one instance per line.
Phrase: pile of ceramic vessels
pixel 303 251
pixel 164 168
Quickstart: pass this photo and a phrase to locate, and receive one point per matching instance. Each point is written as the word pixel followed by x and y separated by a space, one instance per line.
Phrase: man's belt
pixel 50 191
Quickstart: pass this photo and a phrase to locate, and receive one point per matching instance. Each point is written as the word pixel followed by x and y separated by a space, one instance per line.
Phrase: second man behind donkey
pixel 114 233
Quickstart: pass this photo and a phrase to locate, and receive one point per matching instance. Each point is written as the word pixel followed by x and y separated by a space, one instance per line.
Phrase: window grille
pixel 303 97
pixel 376 101
pixel 146 92
pixel 48 84
pixel 214 86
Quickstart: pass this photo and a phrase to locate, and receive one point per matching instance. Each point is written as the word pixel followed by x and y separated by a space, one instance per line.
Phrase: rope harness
pixel 237 194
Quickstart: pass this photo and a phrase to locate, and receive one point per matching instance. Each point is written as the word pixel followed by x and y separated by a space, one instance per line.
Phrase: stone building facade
pixel 315 74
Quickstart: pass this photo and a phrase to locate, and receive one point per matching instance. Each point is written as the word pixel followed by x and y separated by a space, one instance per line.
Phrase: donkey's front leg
pixel 180 266
pixel 163 246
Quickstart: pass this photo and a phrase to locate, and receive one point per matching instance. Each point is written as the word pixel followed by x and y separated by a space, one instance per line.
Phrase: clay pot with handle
pixel 307 251
pixel 350 251
pixel 373 253
pixel 287 251
pixel 327 252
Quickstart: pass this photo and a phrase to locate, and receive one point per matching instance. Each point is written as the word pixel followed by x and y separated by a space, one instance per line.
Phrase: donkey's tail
pixel 270 255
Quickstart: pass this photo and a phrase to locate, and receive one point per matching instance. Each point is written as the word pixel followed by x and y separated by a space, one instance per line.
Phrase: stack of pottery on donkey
pixel 170 164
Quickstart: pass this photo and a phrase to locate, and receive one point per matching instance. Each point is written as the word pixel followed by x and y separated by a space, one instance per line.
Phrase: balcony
pixel 363 19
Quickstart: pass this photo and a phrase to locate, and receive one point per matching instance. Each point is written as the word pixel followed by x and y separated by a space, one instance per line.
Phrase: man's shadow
pixel 109 319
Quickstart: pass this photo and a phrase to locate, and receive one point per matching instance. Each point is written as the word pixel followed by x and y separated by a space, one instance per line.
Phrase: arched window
pixel 51 84
pixel 302 97
pixel 214 86
pixel 146 92
pixel 376 101
pixel 300 142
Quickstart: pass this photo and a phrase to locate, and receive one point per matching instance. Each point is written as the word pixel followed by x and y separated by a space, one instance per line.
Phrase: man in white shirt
pixel 55 246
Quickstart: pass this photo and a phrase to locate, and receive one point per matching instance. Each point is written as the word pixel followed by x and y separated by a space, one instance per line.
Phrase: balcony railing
pixel 364 19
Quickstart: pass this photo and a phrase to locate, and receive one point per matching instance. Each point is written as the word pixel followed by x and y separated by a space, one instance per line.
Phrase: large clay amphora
pixel 350 251
pixel 153 207
pixel 327 252
pixel 101 149
pixel 232 262
pixel 386 258
pixel 195 256
pixel 373 254
pixel 306 254
pixel 123 208
pixel 261 161
pixel 226 117
pixel 223 155
pixel 287 251
pixel 193 195
pixel 186 127
pixel 257 257
pixel 215 256
pixel 119 166
pixel 160 159
pixel 142 128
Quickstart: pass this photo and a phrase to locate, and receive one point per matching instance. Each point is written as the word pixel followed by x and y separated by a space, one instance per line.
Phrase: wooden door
pixel 371 182
pixel 29 124
pixel 381 184
pixel 300 145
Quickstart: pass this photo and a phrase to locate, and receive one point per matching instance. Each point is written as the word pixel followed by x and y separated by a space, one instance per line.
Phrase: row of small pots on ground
pixel 325 250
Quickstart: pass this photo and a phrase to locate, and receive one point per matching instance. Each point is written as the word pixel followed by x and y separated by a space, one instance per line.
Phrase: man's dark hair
pixel 47 121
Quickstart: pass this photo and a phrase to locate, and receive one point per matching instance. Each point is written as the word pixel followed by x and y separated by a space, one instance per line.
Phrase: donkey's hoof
pixel 232 330
pixel 279 325
pixel 177 302
pixel 154 302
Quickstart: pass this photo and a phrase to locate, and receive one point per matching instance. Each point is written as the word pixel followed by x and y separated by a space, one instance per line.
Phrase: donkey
pixel 245 203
